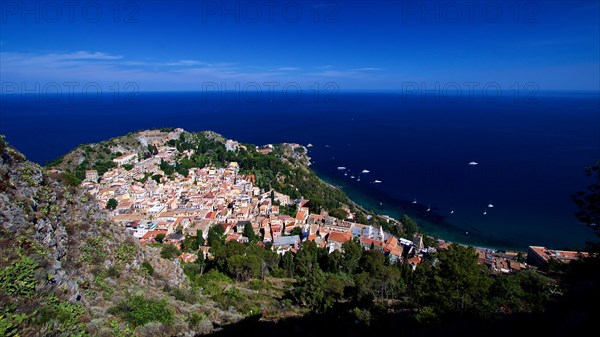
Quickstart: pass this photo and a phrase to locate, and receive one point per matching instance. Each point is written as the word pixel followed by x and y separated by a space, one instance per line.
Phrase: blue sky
pixel 357 45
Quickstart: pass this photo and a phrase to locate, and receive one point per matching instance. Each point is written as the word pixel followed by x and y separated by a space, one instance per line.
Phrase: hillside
pixel 67 270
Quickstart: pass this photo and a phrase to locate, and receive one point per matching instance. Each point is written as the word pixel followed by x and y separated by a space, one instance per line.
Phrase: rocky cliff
pixel 66 269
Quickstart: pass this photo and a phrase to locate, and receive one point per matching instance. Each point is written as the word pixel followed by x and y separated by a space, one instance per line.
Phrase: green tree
pixel 159 238
pixel 216 235
pixel 455 285
pixel 249 232
pixel 287 263
pixel 338 213
pixel 306 259
pixel 312 293
pixel 169 252
pixel 112 204
pixel 201 261
pixel 409 226
pixel 351 256
pixel 588 202
pixel 243 267
pixel 166 167
pixel 297 231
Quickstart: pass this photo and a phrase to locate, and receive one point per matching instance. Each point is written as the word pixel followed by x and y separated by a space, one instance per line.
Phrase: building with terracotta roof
pixel 539 256
pixel 335 240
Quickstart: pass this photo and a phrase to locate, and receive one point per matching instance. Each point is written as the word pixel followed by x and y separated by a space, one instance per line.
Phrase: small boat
pixel 473 163
pixel 365 171
pixel 490 205
pixel 358 179
pixel 377 182
pixel 414 201
pixel 351 177
pixel 380 203
pixel 467 233
pixel 484 212
pixel 346 173
pixel 452 212
pixel 309 145
pixel 428 208
pixel 341 168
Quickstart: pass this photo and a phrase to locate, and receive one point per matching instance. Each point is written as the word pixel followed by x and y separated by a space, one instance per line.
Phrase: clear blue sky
pixel 358 45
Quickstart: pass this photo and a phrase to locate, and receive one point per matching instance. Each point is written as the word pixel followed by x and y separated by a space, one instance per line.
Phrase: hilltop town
pixel 157 206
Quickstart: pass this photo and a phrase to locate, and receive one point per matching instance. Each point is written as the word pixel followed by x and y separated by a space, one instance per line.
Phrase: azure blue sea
pixel 530 153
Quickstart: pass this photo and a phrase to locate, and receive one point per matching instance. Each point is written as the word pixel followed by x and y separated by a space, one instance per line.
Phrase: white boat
pixel 452 212
pixel 351 177
pixel 490 205
pixel 428 208
pixel 365 171
pixel 485 212
pixel 414 201
pixel 341 168
pixel 358 179
pixel 473 163
pixel 309 145
pixel 346 173
pixel 377 182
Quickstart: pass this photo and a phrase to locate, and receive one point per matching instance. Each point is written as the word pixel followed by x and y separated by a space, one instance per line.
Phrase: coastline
pixel 423 230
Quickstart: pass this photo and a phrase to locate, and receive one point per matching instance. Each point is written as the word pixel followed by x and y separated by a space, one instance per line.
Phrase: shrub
pixel 19 278
pixel 194 319
pixel 213 282
pixel 147 267
pixel 138 311
pixel 113 272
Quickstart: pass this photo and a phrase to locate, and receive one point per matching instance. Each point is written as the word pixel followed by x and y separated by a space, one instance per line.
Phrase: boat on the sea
pixel 414 201
pixel 365 171
pixel 346 173
pixel 341 168
pixel 485 212
pixel 358 179
pixel 428 208
pixel 490 205
pixel 377 182
pixel 452 212
pixel 351 177
pixel 473 163
pixel 309 145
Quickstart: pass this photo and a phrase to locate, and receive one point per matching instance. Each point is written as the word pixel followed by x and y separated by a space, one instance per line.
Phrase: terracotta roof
pixel 339 237
pixel 300 216
pixel 416 260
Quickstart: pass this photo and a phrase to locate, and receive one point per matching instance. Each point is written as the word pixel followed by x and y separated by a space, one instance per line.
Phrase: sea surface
pixel 531 153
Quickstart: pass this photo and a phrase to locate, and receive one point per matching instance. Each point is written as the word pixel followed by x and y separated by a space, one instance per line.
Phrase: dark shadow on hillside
pixel 563 323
